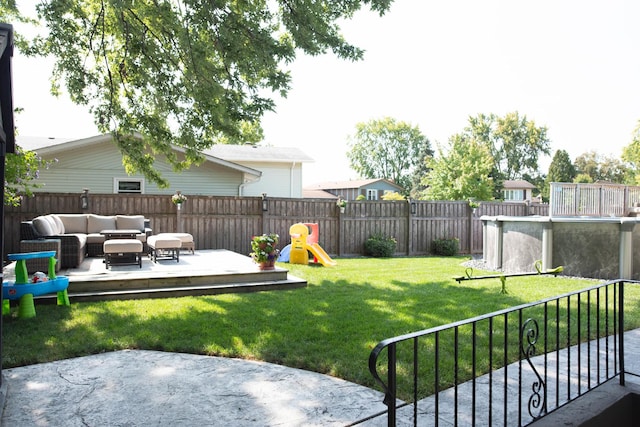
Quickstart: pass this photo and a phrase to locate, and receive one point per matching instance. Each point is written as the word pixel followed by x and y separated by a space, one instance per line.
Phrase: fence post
pixel 340 232
pixel 265 212
pixel 470 228
pixel 410 212
pixel 621 332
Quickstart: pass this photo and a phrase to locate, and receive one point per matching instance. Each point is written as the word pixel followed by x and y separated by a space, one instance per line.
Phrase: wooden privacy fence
pixel 230 222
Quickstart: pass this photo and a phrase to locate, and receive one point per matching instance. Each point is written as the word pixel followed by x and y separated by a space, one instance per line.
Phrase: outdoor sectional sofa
pixel 79 234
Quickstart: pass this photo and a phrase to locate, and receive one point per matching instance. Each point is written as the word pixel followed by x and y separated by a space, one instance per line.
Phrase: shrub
pixel 392 195
pixel 380 246
pixel 446 247
pixel 361 197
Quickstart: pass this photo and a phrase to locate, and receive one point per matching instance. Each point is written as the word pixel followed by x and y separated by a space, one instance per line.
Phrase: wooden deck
pixel 207 272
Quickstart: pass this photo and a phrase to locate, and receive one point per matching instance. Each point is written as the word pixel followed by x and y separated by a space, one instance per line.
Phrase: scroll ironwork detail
pixel 530 332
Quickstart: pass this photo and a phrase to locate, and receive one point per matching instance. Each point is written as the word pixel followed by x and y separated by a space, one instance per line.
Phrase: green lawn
pixel 329 326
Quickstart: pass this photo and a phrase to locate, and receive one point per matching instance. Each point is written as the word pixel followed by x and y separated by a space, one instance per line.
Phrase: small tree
pixel 561 169
pixel 21 170
pixel 392 195
pixel 461 173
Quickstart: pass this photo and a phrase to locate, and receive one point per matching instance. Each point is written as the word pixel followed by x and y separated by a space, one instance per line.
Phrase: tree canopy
pixel 388 149
pixel 631 155
pixel 183 73
pixel 515 143
pixel 561 169
pixel 461 172
pixel 600 168
pixel 488 151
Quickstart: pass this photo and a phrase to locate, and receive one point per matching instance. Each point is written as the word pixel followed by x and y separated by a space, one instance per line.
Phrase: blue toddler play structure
pixel 24 291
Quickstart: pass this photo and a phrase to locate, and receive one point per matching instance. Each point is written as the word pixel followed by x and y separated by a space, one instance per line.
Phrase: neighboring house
pixel 281 167
pixel 96 163
pixel 371 189
pixel 517 190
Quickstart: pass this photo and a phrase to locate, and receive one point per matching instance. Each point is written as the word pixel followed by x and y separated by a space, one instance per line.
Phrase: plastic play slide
pixel 321 255
pixel 302 243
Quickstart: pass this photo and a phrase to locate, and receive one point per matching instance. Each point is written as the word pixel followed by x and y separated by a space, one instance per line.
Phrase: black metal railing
pixel 508 367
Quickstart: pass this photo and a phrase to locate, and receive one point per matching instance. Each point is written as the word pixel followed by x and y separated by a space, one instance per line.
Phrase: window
pixel 372 194
pixel 513 194
pixel 128 185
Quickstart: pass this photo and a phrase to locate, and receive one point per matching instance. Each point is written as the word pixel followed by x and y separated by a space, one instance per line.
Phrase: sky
pixel 571 65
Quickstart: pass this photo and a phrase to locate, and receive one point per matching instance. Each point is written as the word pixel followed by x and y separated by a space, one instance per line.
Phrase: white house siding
pixel 278 179
pixel 95 166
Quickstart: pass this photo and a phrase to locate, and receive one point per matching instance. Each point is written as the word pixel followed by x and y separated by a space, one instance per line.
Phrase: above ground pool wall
pixel 587 249
pixel 522 246
pixel 601 248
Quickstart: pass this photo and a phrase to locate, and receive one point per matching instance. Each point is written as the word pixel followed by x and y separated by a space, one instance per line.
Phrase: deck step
pixel 180 291
pixel 207 272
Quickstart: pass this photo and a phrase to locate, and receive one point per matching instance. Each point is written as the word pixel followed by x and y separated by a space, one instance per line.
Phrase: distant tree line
pixel 474 163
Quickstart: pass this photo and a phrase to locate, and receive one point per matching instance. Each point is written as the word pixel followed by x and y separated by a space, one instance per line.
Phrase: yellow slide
pixel 320 254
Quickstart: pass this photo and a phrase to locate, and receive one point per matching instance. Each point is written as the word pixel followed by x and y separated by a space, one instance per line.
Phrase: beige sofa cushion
pixel 44 225
pixel 95 238
pixel 74 223
pixel 59 224
pixel 97 223
pixel 130 222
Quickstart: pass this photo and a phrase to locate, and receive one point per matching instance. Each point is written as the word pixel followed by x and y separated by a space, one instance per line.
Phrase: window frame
pixel 513 195
pixel 117 181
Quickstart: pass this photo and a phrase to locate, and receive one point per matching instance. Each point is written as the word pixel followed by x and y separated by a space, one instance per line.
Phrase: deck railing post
pixel 390 398
pixel 621 331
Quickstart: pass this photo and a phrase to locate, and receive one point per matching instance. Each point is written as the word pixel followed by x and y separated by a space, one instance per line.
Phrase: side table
pixel 41 264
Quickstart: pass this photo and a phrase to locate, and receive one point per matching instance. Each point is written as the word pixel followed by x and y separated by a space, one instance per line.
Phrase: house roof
pixel 317 194
pixel 517 184
pixel 226 155
pixel 52 146
pixel 33 143
pixel 252 153
pixel 341 185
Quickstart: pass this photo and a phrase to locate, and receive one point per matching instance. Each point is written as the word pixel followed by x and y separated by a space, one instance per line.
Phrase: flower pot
pixel 267 265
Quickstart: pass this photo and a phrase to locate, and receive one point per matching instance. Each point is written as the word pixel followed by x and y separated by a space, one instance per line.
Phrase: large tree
pixel 184 73
pixel 515 143
pixel 461 172
pixel 388 149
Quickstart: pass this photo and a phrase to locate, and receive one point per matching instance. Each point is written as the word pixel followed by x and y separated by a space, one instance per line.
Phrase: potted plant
pixel 265 253
pixel 474 205
pixel 342 204
pixel 178 198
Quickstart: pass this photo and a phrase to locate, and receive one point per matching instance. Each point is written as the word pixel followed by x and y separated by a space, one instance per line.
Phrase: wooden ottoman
pixel 164 246
pixel 122 252
pixel 185 238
